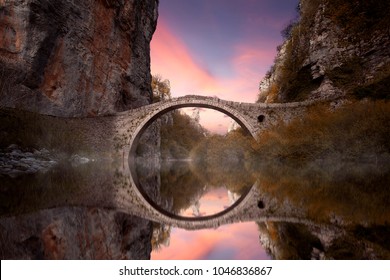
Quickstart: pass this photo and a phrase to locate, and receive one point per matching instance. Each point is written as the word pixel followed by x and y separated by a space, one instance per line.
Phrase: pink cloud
pixel 250 61
pixel 239 238
pixel 182 247
pixel 171 59
pixel 250 64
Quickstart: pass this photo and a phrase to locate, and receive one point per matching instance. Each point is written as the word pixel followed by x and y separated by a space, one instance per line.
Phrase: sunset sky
pixel 219 47
pixel 228 242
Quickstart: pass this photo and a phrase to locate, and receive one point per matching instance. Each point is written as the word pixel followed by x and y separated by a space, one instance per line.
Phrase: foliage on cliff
pixel 359 18
pixel 161 88
pixel 293 80
pixel 344 44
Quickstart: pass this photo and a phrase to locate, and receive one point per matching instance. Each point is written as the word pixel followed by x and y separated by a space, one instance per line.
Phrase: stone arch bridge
pixel 117 135
pixel 253 117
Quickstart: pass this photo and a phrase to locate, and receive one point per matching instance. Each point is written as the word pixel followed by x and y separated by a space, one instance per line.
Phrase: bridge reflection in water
pixel 104 185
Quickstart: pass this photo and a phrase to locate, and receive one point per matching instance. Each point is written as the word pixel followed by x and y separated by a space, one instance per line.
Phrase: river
pixel 91 209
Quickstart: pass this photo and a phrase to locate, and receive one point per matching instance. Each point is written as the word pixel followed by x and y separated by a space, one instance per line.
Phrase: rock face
pixel 72 58
pixel 75 233
pixel 337 47
pixel 76 58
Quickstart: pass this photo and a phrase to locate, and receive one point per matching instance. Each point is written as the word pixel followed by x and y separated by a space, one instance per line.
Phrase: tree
pixel 161 88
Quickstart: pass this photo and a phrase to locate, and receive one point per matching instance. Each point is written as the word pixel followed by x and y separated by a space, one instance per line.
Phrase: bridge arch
pixel 160 109
pixel 185 102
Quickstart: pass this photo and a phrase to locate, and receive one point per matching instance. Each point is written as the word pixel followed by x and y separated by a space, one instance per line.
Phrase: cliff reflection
pixel 347 203
pixel 342 193
pixel 69 212
pixel 283 240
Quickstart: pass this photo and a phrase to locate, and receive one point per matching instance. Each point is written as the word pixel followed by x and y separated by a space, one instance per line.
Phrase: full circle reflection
pixel 191 171
pixel 179 190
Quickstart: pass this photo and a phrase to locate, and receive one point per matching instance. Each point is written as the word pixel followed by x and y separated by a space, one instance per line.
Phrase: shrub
pixel 359 18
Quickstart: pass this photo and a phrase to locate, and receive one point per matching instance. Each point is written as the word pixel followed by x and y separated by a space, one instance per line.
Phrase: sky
pixel 228 242
pixel 218 48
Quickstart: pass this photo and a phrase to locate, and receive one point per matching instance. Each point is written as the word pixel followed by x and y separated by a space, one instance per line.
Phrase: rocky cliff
pixel 335 48
pixel 75 58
